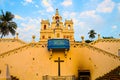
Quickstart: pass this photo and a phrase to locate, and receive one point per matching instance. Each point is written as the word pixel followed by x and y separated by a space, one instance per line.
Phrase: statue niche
pixel 57 20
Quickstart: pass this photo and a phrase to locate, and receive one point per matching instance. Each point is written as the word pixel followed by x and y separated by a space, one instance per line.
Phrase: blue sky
pixel 101 15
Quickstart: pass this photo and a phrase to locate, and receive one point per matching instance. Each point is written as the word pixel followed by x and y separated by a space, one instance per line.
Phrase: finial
pixel 99 36
pixel 82 37
pixel 17 35
pixel 33 38
pixel 57 13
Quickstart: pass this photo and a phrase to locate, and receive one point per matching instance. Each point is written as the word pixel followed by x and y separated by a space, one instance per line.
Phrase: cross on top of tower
pixel 57 13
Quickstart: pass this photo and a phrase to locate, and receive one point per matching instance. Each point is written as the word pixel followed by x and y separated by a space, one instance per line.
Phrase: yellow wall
pixel 80 56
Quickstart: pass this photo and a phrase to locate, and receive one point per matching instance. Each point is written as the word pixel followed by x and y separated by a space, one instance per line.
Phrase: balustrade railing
pixel 72 77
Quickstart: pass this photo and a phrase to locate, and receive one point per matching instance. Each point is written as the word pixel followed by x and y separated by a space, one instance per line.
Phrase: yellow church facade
pixel 82 61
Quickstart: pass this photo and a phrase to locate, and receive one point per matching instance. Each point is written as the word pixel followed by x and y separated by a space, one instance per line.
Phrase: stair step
pixel 112 75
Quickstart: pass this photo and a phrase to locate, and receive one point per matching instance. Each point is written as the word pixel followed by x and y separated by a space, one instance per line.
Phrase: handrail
pixel 98 49
pixel 84 44
pixel 11 39
pixel 19 48
pixel 8 52
pixel 104 40
pixel 107 74
pixel 104 52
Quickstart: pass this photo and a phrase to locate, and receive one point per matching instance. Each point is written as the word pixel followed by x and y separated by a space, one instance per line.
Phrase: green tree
pixel 6 24
pixel 92 34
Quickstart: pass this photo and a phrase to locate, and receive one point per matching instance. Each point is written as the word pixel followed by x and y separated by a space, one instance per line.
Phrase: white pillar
pixel 33 38
pixel 82 37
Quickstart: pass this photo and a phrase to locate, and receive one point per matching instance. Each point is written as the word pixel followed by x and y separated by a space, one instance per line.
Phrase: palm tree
pixel 91 34
pixel 6 24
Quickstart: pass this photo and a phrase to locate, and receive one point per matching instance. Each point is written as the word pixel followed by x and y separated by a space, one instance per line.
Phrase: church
pixel 57 56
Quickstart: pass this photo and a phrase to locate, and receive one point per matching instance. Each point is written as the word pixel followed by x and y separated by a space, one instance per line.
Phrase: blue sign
pixel 58 44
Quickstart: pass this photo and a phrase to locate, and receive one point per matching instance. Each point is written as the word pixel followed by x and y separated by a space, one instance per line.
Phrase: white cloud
pixel 106 6
pixel 91 13
pixel 73 16
pixel 18 17
pixel 84 21
pixel 31 26
pixel 91 16
pixel 119 7
pixel 66 3
pixel 36 6
pixel 82 24
pixel 27 27
pixel 80 27
pixel 70 15
pixel 114 27
pixel 50 9
pixel 47 5
pixel 65 14
pixel 29 1
pixel 25 2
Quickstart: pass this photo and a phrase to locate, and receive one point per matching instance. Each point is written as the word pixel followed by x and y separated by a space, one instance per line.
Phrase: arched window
pixel 69 27
pixel 44 27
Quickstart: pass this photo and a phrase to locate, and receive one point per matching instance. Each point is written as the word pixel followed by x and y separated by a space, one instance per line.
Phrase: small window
pixel 68 27
pixel 33 59
pixel 43 37
pixel 118 52
pixel 67 36
pixel 64 36
pixel 44 26
pixel 49 37
pixel 0 71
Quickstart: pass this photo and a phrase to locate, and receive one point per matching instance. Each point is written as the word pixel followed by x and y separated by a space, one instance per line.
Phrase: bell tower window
pixel 68 27
pixel 56 17
pixel 44 27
